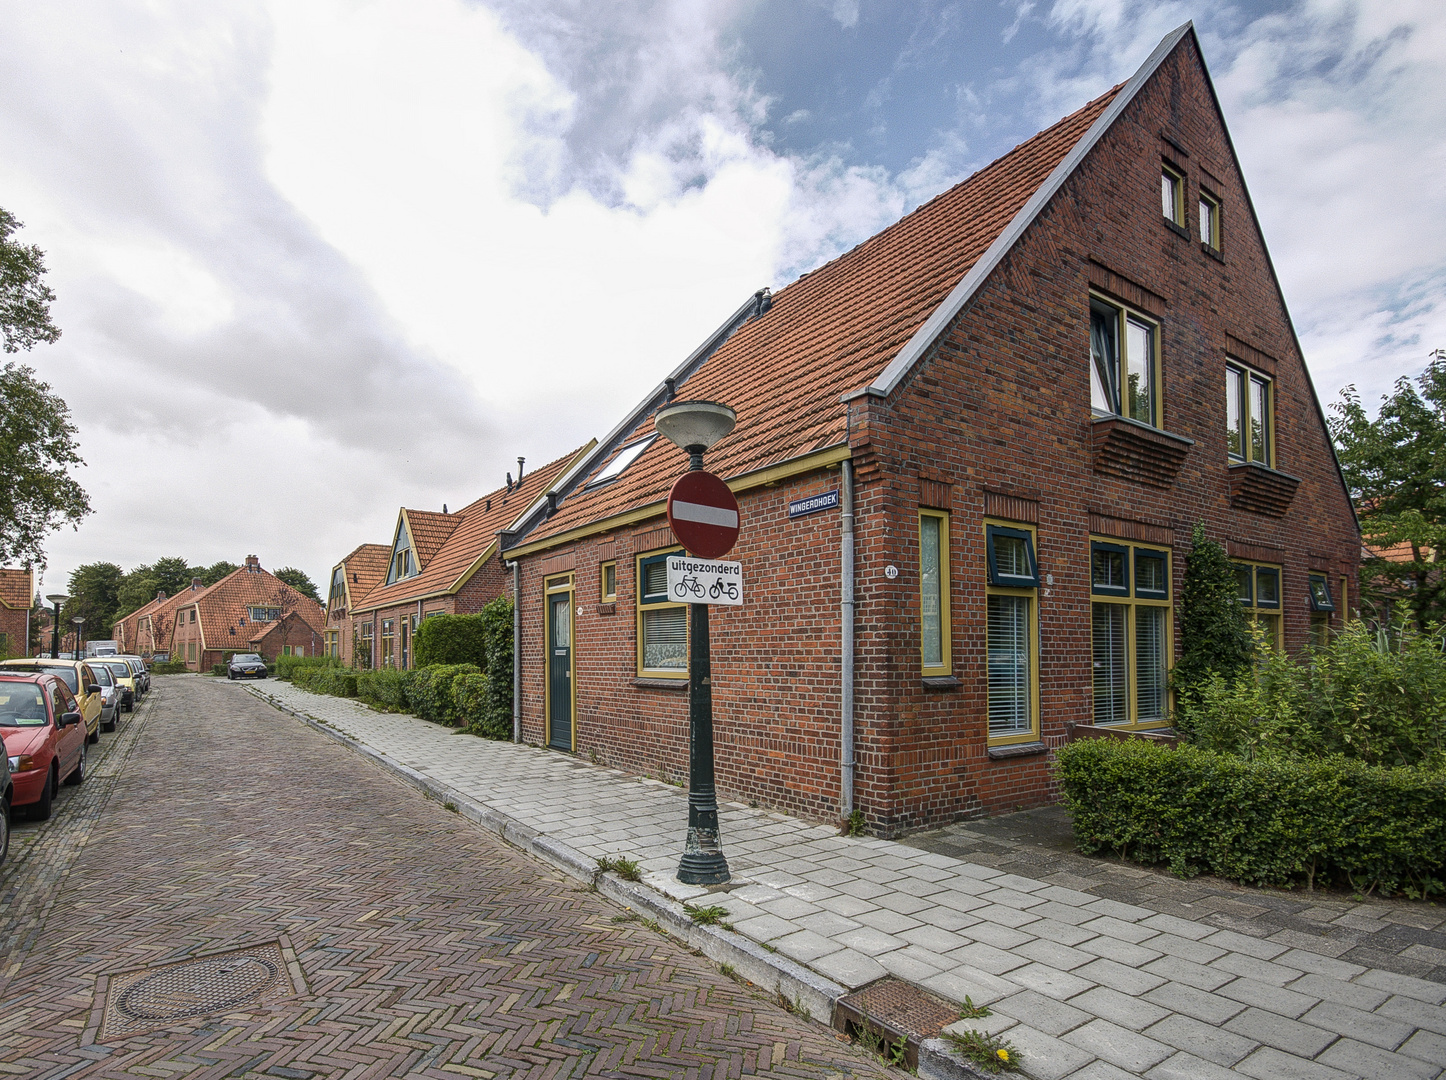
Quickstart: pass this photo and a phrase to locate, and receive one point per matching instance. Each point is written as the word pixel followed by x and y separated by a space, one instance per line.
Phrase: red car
pixel 44 739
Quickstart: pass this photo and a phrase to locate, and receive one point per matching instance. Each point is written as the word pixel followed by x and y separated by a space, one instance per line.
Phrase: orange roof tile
pixel 224 606
pixel 17 588
pixel 429 532
pixel 835 330
pixel 365 568
pixel 474 528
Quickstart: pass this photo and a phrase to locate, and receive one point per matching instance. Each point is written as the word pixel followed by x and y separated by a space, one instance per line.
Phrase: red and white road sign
pixel 703 515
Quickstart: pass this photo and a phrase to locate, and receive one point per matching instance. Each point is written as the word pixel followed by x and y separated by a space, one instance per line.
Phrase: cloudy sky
pixel 316 259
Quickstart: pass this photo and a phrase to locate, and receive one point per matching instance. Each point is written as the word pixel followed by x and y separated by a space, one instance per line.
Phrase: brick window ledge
pixel 940 682
pixel 1134 451
pixel 1004 753
pixel 661 684
pixel 1260 489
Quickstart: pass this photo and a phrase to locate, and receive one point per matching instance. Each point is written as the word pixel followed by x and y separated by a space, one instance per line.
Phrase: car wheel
pixel 40 811
pixel 108 727
pixel 4 831
pixel 231 675
pixel 78 775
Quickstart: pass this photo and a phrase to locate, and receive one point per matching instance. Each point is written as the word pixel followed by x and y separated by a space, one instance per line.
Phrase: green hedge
pixel 496 718
pixel 1273 821
pixel 471 695
pixel 169 667
pixel 284 666
pixel 429 691
pixel 339 682
pixel 451 639
pixel 385 688
pixel 218 669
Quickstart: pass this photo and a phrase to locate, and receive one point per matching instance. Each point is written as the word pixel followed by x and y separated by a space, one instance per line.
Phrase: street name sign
pixel 703 514
pixel 813 504
pixel 704 581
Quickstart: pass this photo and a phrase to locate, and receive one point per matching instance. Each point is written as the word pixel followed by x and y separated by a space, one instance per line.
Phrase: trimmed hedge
pixel 495 721
pixel 339 682
pixel 451 639
pixel 471 695
pixel 283 666
pixel 1274 821
pixel 429 691
pixel 169 667
pixel 385 688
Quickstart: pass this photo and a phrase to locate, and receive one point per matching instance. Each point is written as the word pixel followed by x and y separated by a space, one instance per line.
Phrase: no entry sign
pixel 703 514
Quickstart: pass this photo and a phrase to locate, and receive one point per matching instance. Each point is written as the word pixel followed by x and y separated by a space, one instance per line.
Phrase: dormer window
pixel 263 614
pixel 403 565
pixel 337 597
pixel 625 457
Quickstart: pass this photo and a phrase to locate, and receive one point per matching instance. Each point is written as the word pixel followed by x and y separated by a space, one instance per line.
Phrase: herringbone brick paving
pixel 426 947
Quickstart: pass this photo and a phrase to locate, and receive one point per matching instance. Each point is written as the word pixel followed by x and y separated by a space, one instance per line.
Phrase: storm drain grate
pixel 153 997
pixel 894 1009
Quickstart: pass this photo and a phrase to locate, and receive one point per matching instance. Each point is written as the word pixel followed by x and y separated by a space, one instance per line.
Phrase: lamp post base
pixel 702 867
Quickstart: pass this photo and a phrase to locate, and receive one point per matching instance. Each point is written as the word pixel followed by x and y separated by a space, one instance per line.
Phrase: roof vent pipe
pixel 509 483
pixel 444 508
pixel 762 302
pixel 520 462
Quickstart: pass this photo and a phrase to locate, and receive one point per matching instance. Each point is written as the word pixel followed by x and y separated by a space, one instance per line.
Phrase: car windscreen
pixel 66 674
pixel 118 669
pixel 246 658
pixel 21 705
pixel 102 675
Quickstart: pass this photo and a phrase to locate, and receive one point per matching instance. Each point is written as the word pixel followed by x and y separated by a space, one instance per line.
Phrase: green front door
pixel 559 671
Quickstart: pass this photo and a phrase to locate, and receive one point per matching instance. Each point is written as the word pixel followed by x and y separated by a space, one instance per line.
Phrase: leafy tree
pixel 299 581
pixel 1214 631
pixel 24 297
pixel 215 572
pixel 37 454
pixel 137 589
pixel 170 573
pixel 1395 470
pixel 93 597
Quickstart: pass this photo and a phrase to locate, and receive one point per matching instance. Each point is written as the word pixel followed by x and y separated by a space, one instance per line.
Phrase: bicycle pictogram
pixel 690 584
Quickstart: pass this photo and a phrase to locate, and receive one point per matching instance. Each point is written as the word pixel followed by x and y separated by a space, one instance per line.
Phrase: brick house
pixel 1027 391
pixel 126 631
pixel 444 564
pixel 17 595
pixel 156 623
pixel 248 610
pixel 351 579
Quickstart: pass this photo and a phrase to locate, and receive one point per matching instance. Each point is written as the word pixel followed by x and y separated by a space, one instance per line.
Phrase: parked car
pixel 44 736
pixel 141 669
pixel 125 678
pixel 78 676
pixel 7 792
pixel 246 666
pixel 110 697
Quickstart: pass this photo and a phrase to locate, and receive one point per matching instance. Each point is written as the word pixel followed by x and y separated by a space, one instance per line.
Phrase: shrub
pixel 283 666
pixel 429 693
pixel 451 639
pixel 470 695
pixel 1272 821
pixel 1214 631
pixel 218 669
pixel 384 687
pixel 496 618
pixel 336 681
pixel 169 667
pixel 1369 695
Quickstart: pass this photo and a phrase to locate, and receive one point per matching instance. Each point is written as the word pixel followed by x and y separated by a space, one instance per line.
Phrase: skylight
pixel 626 456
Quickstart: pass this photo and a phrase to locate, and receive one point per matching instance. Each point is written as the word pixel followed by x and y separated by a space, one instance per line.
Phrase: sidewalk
pixel 1085 987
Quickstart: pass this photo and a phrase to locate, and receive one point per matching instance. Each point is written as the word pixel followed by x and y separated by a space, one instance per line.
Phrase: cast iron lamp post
pixel 695 426
pixel 79 628
pixel 57 599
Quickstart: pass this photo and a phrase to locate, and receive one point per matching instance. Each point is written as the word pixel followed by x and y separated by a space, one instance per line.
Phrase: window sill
pixel 1134 451
pixel 661 684
pixel 1017 750
pixel 1214 252
pixel 1177 229
pixel 940 682
pixel 1260 489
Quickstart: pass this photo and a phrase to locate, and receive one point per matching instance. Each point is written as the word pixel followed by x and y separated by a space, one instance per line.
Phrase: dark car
pixel 246 666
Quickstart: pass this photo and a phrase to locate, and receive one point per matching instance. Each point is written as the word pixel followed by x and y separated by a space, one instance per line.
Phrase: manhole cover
pixel 140 1000
pixel 891 1009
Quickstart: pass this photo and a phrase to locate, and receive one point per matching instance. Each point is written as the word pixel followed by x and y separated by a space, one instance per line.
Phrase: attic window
pixel 402 565
pixel 625 457
pixel 263 614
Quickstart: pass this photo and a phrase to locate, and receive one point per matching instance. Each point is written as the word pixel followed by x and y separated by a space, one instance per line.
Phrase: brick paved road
pixel 424 946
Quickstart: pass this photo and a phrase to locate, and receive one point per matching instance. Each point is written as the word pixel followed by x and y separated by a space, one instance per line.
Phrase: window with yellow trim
pixel 1322 605
pixel 1124 363
pixel 608 582
pixel 388 639
pixel 662 622
pixel 1172 195
pixel 1131 630
pixel 934 646
pixel 1249 415
pixel 1258 589
pixel 1011 633
pixel 1209 221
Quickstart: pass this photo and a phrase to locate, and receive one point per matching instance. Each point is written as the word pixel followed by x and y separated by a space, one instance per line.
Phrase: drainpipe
pixel 846 690
pixel 516 651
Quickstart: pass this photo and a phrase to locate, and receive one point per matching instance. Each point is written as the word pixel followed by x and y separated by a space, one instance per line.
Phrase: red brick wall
pixel 1002 404
pixel 13 624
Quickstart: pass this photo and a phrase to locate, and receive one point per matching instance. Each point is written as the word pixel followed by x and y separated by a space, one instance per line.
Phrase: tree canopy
pixel 94 590
pixel 1395 470
pixel 299 581
pixel 25 299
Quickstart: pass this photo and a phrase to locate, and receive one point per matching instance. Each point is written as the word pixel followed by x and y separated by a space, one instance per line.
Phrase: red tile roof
pixel 225 605
pixel 162 617
pixel 365 569
pixel 835 330
pixel 473 530
pixel 429 532
pixel 17 588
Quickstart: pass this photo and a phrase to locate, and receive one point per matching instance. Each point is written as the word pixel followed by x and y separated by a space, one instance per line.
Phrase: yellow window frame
pixel 1247 444
pixel 1177 178
pixel 1032 636
pixel 608 594
pixel 1213 240
pixel 1253 609
pixel 642 608
pixel 1132 603
pixel 945 666
pixel 1123 314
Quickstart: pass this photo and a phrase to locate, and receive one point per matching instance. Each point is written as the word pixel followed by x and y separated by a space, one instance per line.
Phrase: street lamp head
pixel 57 598
pixel 693 424
pixel 79 620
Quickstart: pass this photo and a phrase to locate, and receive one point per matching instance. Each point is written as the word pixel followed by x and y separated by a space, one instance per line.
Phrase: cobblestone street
pixel 371 932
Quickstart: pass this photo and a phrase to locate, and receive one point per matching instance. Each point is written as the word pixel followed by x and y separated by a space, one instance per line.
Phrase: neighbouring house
pixel 969 457
pixel 126 630
pixel 446 564
pixel 17 595
pixel 248 610
pixel 351 579
pixel 156 623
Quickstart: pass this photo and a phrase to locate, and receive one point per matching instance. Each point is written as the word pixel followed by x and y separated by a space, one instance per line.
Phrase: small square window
pixel 1320 594
pixel 1011 558
pixel 1172 196
pixel 1109 569
pixel 1267 587
pixel 609 582
pixel 625 457
pixel 1152 574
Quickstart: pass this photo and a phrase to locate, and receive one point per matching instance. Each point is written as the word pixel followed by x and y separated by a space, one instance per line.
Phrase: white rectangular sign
pixel 704 581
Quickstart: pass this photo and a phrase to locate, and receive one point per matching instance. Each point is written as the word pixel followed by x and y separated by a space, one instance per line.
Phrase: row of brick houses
pixel 248 610
pixel 969 457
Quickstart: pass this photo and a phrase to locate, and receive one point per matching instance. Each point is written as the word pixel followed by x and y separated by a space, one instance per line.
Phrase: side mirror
pixel 69 718
pixel 93 688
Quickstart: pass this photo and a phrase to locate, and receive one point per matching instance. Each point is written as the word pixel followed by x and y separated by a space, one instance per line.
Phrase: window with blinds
pixel 1010 635
pixel 1130 631
pixel 662 623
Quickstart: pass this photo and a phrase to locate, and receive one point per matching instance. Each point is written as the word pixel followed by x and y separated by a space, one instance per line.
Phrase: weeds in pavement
pixel 728 969
pixel 770 948
pixel 655 926
pixel 796 1006
pixel 627 869
pixel 854 824
pixel 970 1011
pixel 876 1041
pixel 449 805
pixel 712 915
pixel 625 917
pixel 990 1052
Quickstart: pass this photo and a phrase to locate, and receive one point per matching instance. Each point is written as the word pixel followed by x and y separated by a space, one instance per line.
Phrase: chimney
pixel 195 583
pixel 519 468
pixel 253 564
pixel 160 595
